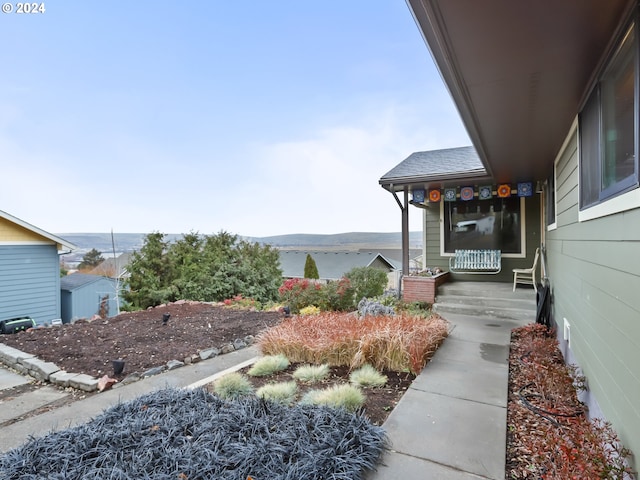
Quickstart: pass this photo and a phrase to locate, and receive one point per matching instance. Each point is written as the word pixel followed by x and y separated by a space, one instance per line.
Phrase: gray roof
pixel 332 265
pixel 76 280
pixel 435 165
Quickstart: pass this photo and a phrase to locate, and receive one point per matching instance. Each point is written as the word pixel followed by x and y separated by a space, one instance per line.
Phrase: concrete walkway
pixel 451 423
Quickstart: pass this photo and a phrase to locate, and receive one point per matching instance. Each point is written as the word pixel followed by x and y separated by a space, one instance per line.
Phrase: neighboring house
pixel 84 295
pixel 332 265
pixel 548 92
pixel 29 270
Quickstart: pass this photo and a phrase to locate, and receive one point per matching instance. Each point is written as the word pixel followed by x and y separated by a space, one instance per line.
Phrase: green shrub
pixel 232 386
pixel 282 392
pixel 367 282
pixel 367 376
pixel 298 293
pixel 311 373
pixel 337 296
pixel 339 396
pixel 269 365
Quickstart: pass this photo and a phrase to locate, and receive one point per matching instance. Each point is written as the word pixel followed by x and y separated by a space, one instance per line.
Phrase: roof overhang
pixel 47 237
pixel 519 71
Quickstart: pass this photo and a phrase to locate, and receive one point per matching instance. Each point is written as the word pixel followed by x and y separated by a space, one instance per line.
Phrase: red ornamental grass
pixel 396 343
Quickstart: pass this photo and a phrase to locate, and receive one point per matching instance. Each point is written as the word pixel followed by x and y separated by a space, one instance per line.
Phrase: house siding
pixel 595 276
pixel 84 301
pixel 29 282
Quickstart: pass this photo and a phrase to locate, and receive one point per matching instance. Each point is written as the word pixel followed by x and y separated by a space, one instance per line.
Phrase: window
pixel 550 199
pixel 608 129
pixel 484 224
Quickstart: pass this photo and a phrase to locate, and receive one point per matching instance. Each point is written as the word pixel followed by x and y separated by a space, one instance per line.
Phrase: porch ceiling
pixel 518 71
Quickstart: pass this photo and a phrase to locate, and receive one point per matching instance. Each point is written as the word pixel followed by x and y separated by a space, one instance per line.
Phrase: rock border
pixel 28 364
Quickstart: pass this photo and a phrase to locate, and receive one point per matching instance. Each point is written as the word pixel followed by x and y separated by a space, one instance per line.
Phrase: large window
pixel 483 224
pixel 609 129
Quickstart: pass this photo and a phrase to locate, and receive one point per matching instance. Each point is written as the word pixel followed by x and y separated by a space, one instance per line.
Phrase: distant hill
pixel 128 242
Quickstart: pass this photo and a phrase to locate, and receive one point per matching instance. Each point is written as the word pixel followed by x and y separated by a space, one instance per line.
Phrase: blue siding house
pixel 84 296
pixel 29 270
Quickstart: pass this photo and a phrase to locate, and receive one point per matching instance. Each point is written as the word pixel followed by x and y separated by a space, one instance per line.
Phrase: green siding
pixel 594 269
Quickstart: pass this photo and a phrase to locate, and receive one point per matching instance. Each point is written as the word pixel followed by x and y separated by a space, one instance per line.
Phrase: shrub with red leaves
pixel 550 436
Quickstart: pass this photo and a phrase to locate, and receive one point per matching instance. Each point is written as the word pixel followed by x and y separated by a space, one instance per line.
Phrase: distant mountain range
pixel 128 242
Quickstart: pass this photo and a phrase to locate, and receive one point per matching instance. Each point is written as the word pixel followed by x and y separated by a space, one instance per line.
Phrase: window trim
pixel 523 233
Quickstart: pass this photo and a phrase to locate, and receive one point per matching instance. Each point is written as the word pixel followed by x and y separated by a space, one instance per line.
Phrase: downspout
pixel 424 239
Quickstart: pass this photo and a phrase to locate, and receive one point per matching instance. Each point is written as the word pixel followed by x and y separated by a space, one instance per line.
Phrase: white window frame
pixel 624 201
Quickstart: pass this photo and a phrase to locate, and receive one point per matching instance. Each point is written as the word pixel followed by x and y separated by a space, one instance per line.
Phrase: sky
pixel 255 118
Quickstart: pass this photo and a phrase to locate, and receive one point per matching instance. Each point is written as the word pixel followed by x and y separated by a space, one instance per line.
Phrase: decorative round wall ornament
pixel 504 190
pixel 434 195
pixel 450 194
pixel 466 193
pixel 485 193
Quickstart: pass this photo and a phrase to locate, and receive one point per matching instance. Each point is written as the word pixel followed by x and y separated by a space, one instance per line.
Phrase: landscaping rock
pixel 228 348
pixel 153 371
pixel 173 364
pixel 105 383
pixel 239 344
pixel 208 353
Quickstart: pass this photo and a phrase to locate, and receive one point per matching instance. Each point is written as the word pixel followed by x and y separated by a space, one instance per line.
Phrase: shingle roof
pixel 77 280
pixel 436 165
pixel 332 265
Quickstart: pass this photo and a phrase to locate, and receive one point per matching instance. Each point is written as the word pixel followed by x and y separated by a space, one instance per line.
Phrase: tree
pixel 310 268
pixel 91 259
pixel 202 268
pixel 150 274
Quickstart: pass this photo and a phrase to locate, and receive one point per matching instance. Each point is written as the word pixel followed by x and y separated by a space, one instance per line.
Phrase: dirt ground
pixel 143 342
pixel 140 338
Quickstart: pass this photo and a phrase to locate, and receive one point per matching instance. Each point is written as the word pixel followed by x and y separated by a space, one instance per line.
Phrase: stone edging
pixel 27 364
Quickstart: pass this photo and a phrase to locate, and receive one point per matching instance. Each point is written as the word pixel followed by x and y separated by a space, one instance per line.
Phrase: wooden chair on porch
pixel 527 276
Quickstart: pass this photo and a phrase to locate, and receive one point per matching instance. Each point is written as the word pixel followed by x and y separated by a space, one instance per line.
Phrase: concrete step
pixel 481 301
pixel 521 314
pixel 494 299
pixel 487 290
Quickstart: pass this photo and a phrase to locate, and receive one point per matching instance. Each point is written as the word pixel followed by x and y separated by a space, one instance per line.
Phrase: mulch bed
pixel 140 338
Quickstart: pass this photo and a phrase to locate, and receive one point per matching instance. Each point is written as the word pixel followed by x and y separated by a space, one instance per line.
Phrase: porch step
pixel 486 299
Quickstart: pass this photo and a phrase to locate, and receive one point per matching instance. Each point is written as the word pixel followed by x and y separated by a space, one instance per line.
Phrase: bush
pixel 201 268
pixel 233 386
pixel 367 376
pixel 367 281
pixel 311 373
pixel 268 365
pixel 310 310
pixel 298 293
pixel 283 392
pixel 339 396
pixel 337 296
pixel 373 308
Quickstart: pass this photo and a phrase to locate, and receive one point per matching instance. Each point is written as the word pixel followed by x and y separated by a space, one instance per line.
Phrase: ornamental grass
pixel 398 343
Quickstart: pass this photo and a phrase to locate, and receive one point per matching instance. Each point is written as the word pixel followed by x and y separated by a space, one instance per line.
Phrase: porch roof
pixel 435 167
pixel 518 72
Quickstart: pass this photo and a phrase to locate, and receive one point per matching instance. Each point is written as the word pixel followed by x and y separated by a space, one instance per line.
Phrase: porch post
pixel 405 233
